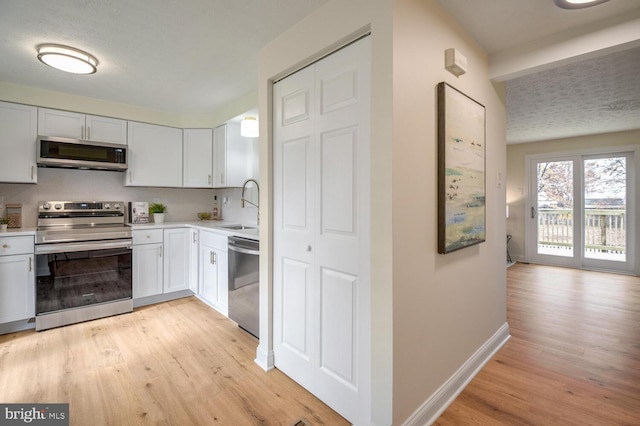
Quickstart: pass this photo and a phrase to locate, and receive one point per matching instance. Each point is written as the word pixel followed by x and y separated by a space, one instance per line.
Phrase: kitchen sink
pixel 237 227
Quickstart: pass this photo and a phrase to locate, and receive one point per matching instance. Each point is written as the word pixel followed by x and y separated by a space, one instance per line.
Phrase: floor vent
pixel 301 422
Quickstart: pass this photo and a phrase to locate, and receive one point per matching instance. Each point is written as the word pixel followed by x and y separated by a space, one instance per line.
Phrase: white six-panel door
pixel 322 322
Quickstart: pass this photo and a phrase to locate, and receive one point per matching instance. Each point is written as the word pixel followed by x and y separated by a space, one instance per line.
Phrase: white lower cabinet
pixel 17 278
pixel 213 270
pixel 193 260
pixel 147 263
pixel 176 259
pixel 162 261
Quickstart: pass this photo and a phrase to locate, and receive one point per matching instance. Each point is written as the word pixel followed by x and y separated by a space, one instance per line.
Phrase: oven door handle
pixel 84 246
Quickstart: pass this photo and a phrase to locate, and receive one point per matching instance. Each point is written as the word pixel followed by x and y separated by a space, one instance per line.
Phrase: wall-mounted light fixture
pixel 67 59
pixel 577 4
pixel 249 127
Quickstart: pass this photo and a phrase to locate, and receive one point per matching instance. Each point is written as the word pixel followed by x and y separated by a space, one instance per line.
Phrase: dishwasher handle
pixel 244 250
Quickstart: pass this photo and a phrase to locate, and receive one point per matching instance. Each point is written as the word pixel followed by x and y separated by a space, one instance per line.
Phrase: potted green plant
pixel 4 222
pixel 158 210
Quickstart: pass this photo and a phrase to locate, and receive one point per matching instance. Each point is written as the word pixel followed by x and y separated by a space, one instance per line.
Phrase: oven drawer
pixel 147 236
pixel 16 245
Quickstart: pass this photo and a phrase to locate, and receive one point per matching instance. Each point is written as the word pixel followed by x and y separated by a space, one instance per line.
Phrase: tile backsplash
pixel 183 204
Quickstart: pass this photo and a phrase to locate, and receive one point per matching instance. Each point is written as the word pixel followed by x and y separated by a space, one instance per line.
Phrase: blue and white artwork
pixel 461 170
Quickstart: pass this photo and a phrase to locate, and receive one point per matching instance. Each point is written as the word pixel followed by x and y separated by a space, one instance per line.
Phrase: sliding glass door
pixel 581 211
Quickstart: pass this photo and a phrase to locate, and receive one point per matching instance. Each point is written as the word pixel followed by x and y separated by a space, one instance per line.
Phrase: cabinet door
pixel 176 259
pixel 213 278
pixel 197 158
pixel 222 263
pixel 105 129
pixel 65 124
pixel 17 288
pixel 239 164
pixel 232 156
pixel 147 270
pixel 155 155
pixel 193 260
pixel 18 133
pixel 220 156
pixel 208 274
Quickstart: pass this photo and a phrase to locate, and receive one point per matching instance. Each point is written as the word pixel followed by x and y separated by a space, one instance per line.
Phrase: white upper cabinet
pixel 105 129
pixel 155 155
pixel 197 158
pixel 232 156
pixel 18 133
pixel 65 124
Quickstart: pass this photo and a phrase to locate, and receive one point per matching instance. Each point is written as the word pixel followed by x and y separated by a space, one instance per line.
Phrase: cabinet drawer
pixel 16 245
pixel 215 240
pixel 147 236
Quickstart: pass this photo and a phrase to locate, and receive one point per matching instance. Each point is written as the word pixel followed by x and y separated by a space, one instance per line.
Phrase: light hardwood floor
pixel 573 358
pixel 176 363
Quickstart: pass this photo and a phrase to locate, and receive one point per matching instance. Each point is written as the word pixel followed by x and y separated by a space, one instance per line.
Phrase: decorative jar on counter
pixel 14 214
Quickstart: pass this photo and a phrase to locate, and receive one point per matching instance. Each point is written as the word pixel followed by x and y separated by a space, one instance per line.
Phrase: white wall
pixel 444 306
pixel 58 100
pixel 430 312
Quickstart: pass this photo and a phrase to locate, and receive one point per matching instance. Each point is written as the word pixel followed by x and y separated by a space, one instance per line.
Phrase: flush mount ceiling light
pixel 67 59
pixel 249 127
pixel 577 4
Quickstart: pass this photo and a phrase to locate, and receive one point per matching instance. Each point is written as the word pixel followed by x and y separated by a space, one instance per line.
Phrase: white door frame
pixel 633 197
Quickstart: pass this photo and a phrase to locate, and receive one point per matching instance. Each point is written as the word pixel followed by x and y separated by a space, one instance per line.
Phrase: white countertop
pixel 17 232
pixel 206 225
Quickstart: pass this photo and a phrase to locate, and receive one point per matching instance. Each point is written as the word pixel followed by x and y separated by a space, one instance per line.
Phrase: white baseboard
pixel 433 407
pixel 264 358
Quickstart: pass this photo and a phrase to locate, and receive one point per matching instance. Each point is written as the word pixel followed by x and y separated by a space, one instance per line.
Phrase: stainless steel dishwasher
pixel 244 283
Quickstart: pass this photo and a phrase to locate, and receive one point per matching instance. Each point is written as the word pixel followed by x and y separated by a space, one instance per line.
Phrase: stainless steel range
pixel 83 262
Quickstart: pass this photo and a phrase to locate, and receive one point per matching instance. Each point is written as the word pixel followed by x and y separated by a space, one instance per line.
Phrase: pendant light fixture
pixel 67 59
pixel 249 127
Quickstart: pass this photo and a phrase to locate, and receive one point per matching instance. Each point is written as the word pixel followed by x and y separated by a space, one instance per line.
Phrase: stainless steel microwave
pixel 81 154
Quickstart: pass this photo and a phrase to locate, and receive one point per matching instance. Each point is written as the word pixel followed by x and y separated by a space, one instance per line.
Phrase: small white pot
pixel 158 218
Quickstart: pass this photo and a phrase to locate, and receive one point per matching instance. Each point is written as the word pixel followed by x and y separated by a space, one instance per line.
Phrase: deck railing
pixel 605 229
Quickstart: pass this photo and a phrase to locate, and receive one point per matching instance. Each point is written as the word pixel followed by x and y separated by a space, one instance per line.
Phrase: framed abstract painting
pixel 461 170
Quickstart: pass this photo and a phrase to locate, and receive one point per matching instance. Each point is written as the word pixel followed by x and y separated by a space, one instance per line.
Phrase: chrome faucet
pixel 243 200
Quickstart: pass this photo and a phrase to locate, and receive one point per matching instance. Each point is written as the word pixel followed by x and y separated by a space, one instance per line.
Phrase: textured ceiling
pixel 183 57
pixel 594 96
pixel 195 56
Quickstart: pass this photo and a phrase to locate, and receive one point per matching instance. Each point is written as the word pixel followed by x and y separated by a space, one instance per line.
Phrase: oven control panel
pixel 95 207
